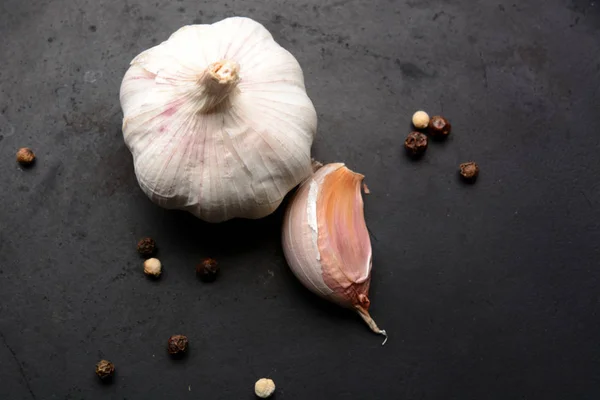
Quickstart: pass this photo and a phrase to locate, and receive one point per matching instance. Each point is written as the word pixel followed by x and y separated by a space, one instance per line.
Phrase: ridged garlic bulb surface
pixel 218 121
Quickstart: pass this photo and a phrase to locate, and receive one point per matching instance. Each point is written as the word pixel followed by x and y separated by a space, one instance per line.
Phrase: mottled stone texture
pixel 488 291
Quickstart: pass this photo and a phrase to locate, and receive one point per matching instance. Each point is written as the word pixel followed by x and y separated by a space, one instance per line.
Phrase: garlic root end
pixel 372 325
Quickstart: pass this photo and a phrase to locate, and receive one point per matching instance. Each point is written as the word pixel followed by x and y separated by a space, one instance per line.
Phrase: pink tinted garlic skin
pixel 326 241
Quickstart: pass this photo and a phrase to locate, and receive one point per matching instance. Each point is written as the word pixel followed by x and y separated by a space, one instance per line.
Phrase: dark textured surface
pixel 488 291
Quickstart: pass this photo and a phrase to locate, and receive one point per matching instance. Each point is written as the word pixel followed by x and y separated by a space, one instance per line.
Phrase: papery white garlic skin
pixel 218 121
pixel 300 234
pixel 325 239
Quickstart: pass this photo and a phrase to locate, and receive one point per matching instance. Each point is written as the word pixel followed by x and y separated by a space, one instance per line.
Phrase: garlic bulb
pixel 218 121
pixel 326 242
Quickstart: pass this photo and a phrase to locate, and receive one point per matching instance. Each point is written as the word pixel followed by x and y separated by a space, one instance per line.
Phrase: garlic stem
pixel 216 83
pixel 367 318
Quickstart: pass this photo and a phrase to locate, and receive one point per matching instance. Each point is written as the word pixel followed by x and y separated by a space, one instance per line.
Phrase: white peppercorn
pixel 264 388
pixel 420 120
pixel 152 267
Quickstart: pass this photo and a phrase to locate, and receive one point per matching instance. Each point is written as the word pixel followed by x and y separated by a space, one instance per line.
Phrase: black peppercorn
pixel 439 127
pixel 105 369
pixel 207 270
pixel 415 143
pixel 469 171
pixel 146 247
pixel 177 345
pixel 25 156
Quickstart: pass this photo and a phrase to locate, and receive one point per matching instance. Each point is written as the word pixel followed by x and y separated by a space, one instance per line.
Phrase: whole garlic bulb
pixel 218 121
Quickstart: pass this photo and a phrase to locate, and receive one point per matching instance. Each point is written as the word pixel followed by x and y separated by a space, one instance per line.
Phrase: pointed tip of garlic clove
pixel 385 336
pixel 362 311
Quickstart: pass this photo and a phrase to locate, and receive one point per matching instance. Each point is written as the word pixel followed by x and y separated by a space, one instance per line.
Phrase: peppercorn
pixel 207 270
pixel 146 247
pixel 153 267
pixel 415 143
pixel 264 388
pixel 105 369
pixel 439 127
pixel 25 156
pixel 420 119
pixel 177 345
pixel 469 171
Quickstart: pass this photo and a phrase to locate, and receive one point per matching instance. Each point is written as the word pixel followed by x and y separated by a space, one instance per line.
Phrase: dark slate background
pixel 488 291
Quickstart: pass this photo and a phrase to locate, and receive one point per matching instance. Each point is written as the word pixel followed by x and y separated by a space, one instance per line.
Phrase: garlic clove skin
pixel 326 241
pixel 218 121
pixel 343 240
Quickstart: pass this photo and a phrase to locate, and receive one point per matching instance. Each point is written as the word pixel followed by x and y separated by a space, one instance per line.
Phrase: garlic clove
pixel 326 241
